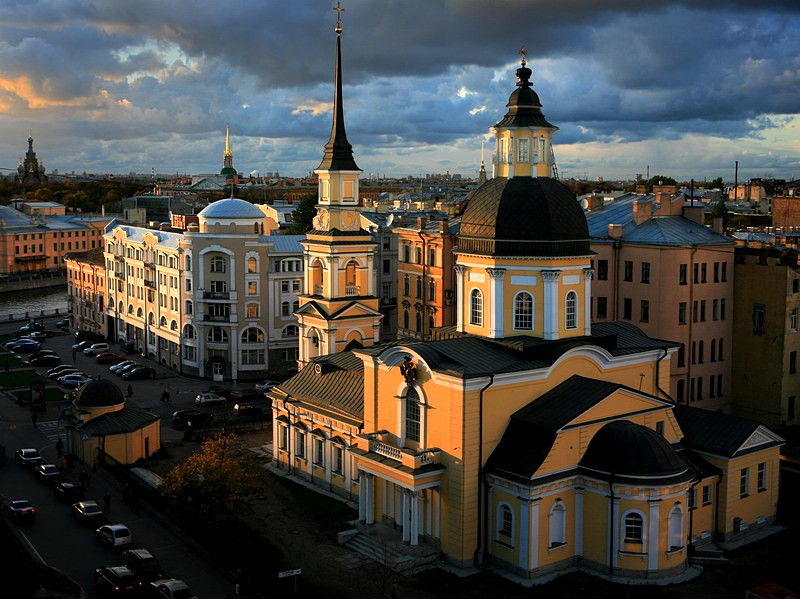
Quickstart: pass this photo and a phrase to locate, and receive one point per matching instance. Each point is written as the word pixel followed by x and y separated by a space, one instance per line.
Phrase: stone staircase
pixel 398 558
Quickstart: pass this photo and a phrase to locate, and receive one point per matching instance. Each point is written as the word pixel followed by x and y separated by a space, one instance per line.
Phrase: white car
pixel 96 348
pixel 74 380
pixel 206 398
pixel 114 535
pixel 266 385
pixel 170 588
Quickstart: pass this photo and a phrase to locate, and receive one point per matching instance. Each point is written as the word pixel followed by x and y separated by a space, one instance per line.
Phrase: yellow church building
pixel 524 437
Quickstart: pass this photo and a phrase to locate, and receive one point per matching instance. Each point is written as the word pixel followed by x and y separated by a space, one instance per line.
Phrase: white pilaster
pixel 511 154
pixel 533 534
pixel 587 301
pixel 362 512
pixel 579 521
pixel 496 302
pixel 414 518
pixel 552 305
pixel 614 529
pixel 652 534
pixel 459 297
pixel 406 517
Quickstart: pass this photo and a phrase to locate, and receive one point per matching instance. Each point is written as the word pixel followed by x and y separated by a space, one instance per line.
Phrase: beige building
pixel 657 267
pixel 86 291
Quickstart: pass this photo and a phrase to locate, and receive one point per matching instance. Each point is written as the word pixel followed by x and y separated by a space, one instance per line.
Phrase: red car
pixel 109 358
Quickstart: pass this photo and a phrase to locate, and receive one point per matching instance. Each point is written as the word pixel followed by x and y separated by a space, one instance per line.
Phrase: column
pixel 437 530
pixel 459 297
pixel 613 528
pixel 652 534
pixel 552 305
pixel 529 533
pixel 406 523
pixel 587 301
pixel 370 499
pixel 511 155
pixel 578 521
pixel 414 518
pixel 496 302
pixel 362 512
pixel 533 561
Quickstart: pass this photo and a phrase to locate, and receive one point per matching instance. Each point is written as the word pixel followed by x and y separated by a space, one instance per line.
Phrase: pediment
pixel 761 436
pixel 314 310
pixel 620 403
pixel 356 310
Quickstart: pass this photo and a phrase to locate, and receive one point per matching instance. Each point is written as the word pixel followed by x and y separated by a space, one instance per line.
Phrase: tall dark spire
pixel 338 154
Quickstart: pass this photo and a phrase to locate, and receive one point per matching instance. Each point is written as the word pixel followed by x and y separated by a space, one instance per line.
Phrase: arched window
pixel 431 290
pixel 130 308
pixel 121 308
pixel 476 307
pixel 188 263
pixel 139 312
pixel 523 311
pixel 558 524
pixel 151 318
pixel 505 524
pixel 713 352
pixel 675 528
pixel 431 322
pixel 720 355
pixel 285 309
pixel 162 322
pixel 217 335
pixel 173 325
pixel 406 319
pixel 350 273
pixel 634 528
pixel 418 321
pixel 295 306
pixel 252 335
pixel 189 307
pixel 571 311
pixel 412 415
pixel 406 286
pixel 188 332
pixel 418 287
pixel 290 331
pixel 252 264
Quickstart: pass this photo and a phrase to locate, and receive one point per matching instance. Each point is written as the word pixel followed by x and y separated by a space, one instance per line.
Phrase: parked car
pixel 88 512
pixel 114 535
pixel 20 510
pixel 67 492
pixel 266 386
pixel 37 336
pixel 209 399
pixel 121 365
pixel 63 323
pixel 129 367
pixel 143 564
pixel 96 349
pixel 74 380
pixel 171 588
pixel 90 336
pixel 140 372
pixel 182 418
pixel 248 411
pixel 48 473
pixel 31 327
pixel 43 352
pixel 24 346
pixel 109 358
pixel 63 372
pixel 241 395
pixel 48 360
pixel 29 458
pixel 116 581
pixel 218 390
pixel 82 345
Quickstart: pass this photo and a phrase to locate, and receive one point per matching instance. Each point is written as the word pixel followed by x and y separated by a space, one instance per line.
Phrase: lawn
pixel 51 394
pixel 18 378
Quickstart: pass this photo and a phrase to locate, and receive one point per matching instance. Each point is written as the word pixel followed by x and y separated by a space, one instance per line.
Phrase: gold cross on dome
pixel 523 52
pixel 339 10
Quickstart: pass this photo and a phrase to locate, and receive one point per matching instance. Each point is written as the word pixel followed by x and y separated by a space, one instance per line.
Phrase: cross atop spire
pixel 523 52
pixel 339 10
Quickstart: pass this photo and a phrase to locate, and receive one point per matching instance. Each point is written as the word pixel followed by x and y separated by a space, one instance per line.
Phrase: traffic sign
pixel 287 573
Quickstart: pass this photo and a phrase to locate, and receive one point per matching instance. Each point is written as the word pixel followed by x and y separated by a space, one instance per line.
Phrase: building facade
pixel 86 291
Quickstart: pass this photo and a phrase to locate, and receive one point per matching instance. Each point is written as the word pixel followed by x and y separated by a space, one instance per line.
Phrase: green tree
pixel 717 183
pixel 720 210
pixel 660 180
pixel 303 215
pixel 210 487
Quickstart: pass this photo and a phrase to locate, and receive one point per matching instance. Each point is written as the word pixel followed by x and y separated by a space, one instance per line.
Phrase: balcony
pixel 150 265
pixel 409 458
pixel 216 318
pixel 352 290
pixel 150 284
pixel 215 295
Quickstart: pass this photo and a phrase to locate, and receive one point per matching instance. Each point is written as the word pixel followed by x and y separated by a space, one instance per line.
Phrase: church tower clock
pixel 340 308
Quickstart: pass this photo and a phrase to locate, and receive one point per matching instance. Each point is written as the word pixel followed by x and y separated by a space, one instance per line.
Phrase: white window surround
pixel 622 529
pixel 504 524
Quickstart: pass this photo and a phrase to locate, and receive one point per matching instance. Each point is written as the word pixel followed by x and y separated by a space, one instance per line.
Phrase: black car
pixel 128 368
pixel 143 565
pixel 116 581
pixel 49 360
pixel 28 458
pixel 88 512
pixel 42 352
pixel 48 474
pixel 68 492
pixel 142 372
pixel 182 418
pixel 63 323
pixel 217 390
pixel 21 510
pixel 242 395
pixel 248 411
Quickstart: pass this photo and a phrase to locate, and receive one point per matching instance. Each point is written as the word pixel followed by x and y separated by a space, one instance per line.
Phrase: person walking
pixel 59 447
pixel 130 391
pixel 166 397
pixel 34 419
pixel 74 354
pixel 107 502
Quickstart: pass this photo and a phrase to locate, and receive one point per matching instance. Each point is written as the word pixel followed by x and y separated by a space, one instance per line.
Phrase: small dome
pixel 523 216
pixel 625 449
pixel 231 208
pixel 99 394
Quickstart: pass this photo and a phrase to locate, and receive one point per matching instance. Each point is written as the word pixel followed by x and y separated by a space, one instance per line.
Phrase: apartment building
pixel 86 290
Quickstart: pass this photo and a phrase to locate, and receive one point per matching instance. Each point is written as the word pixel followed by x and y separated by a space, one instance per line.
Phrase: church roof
pixel 524 106
pixel 126 420
pixel 523 216
pixel 231 208
pixel 99 394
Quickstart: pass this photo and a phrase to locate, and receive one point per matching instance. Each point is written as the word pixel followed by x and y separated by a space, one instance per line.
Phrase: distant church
pixel 525 436
pixel 29 171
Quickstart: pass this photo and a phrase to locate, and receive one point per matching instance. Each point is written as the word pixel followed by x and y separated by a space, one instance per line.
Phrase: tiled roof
pixel 126 420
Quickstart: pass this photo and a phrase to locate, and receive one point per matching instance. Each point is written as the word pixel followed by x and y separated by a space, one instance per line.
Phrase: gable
pixel 312 309
pixel 355 310
pixel 620 403
pixel 761 438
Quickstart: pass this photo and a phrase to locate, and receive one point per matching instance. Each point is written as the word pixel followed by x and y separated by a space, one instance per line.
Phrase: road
pixel 58 538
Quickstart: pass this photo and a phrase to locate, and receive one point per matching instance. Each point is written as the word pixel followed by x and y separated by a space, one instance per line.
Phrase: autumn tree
pixel 210 487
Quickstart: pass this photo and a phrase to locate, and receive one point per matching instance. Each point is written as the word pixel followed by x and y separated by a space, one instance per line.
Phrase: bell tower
pixel 340 307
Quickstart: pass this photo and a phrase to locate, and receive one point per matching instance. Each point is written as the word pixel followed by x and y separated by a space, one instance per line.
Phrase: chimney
pixel 641 211
pixel 443 224
pixel 716 225
pixel 593 202
pixel 641 190
pixel 695 213
pixel 420 223
pixel 615 231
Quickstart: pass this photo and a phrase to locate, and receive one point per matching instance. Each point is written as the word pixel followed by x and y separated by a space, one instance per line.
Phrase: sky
pixel 676 88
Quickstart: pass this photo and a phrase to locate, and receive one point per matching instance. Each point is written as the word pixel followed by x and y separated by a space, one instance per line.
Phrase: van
pixel 145 479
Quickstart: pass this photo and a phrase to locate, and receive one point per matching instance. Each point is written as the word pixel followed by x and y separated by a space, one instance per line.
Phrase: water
pixel 48 299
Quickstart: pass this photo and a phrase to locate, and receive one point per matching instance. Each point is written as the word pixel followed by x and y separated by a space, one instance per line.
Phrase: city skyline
pixel 112 88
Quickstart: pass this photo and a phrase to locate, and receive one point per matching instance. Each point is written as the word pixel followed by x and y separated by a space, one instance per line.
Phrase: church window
pixel 300 444
pixel 505 522
pixel 634 528
pixel 523 150
pixel 558 524
pixel 542 149
pixel 252 335
pixel 571 311
pixel 523 311
pixel 476 307
pixel 319 452
pixel 675 528
pixel 338 460
pixel 503 150
pixel 412 415
pixel 406 319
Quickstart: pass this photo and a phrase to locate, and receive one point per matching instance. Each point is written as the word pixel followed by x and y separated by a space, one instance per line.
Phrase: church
pixel 525 436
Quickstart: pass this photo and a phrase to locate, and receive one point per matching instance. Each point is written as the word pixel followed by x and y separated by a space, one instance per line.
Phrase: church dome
pixel 523 216
pixel 625 449
pixel 231 208
pixel 100 393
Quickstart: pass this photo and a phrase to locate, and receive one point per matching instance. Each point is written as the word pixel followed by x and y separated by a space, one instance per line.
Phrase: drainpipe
pixel 424 286
pixel 693 496
pixel 617 245
pixel 611 530
pixel 481 532
pixel 658 377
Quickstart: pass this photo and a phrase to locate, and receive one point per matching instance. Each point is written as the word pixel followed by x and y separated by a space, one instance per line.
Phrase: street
pixel 58 538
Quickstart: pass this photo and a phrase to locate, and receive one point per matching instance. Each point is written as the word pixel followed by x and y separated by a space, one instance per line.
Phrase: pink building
pixel 659 268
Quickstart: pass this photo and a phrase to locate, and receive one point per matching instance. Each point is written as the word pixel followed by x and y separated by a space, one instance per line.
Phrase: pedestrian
pixel 34 419
pixel 62 466
pixel 60 447
pixel 107 502
pixel 83 478
pixel 130 391
pixel 166 396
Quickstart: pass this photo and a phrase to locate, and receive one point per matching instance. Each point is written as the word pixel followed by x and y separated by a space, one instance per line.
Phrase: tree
pixel 209 488
pixel 303 215
pixel 717 183
pixel 660 180
pixel 720 210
